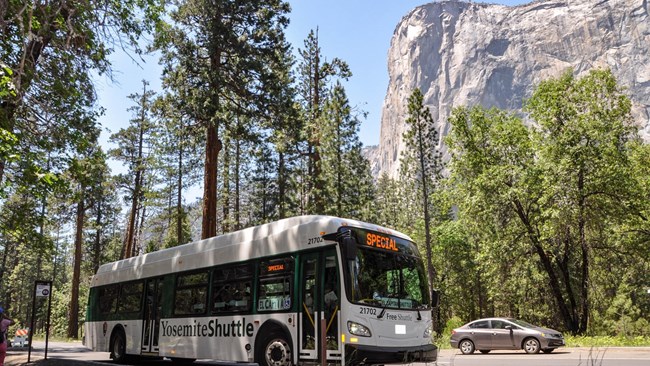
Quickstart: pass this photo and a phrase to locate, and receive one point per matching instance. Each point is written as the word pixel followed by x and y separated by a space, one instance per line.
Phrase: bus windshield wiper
pixel 383 310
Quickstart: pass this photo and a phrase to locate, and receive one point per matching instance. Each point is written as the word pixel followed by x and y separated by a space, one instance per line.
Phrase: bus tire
pixel 118 346
pixel 274 350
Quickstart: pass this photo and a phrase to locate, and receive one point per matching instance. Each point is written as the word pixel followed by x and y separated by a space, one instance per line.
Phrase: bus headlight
pixel 358 329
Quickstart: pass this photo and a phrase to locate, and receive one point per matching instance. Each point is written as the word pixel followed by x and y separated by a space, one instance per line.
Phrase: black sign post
pixel 41 289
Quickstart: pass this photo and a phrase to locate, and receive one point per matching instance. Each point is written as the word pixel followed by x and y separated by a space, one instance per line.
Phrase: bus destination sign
pixel 381 242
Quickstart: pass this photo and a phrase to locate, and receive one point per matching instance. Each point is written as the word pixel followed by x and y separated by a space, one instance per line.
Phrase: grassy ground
pixel 607 341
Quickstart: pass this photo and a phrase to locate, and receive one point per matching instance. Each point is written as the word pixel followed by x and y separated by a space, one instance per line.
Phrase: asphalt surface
pixel 75 354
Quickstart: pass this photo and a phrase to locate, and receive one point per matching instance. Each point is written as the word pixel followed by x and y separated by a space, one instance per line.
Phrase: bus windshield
pixel 391 276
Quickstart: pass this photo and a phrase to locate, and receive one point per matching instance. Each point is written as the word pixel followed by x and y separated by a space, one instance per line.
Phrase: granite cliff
pixel 460 53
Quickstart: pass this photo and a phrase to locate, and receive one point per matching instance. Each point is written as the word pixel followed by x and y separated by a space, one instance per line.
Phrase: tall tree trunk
pixel 179 192
pixel 425 201
pixel 97 247
pixel 139 248
pixel 212 148
pixel 131 228
pixel 584 311
pixel 479 289
pixel 282 200
pixel 129 245
pixel 317 193
pixel 225 196
pixel 554 283
pixel 237 198
pixel 73 316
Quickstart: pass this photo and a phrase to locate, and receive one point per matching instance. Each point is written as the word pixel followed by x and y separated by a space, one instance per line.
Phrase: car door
pixel 481 334
pixel 502 337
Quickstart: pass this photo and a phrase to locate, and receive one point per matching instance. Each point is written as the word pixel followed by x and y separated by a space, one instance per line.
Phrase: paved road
pixel 623 356
pixel 617 356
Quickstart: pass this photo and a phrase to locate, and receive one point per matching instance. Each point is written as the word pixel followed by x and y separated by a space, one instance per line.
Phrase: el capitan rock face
pixel 463 54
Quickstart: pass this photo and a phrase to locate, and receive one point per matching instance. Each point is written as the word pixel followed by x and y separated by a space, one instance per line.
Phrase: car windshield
pixel 387 279
pixel 522 323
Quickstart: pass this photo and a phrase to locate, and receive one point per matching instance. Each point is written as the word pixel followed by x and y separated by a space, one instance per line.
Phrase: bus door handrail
pixel 309 315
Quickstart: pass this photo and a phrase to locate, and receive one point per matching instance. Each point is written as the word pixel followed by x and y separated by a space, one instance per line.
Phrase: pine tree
pixel 313 77
pixel 134 145
pixel 421 164
pixel 176 149
pixel 87 177
pixel 345 172
pixel 228 50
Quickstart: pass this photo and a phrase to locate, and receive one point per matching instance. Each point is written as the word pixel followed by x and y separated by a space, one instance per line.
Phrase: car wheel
pixel 484 351
pixel 531 345
pixel 466 346
pixel 274 351
pixel 548 350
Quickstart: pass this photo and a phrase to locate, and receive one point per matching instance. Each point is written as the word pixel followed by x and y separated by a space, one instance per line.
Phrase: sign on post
pixel 42 289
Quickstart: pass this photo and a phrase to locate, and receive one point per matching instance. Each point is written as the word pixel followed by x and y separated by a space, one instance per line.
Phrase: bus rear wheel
pixel 274 351
pixel 118 347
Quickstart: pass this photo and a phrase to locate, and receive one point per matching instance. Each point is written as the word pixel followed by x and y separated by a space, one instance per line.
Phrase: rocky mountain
pixel 462 53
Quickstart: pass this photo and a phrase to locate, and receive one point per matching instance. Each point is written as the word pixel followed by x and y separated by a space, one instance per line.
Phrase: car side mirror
pixel 509 327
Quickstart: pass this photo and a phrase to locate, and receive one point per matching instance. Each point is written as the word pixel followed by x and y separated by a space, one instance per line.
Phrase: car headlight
pixel 358 329
pixel 428 332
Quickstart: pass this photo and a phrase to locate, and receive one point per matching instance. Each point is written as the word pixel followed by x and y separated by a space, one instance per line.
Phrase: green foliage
pixel 314 77
pixel 345 171
pixel 550 221
pixel 545 205
pixel 443 338
pixel 232 58
pixel 420 169
pixel 607 341
pixel 7 89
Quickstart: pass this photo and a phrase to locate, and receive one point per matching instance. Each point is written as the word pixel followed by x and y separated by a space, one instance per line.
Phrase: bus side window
pixel 108 299
pixel 231 289
pixel 191 295
pixel 275 286
pixel 130 298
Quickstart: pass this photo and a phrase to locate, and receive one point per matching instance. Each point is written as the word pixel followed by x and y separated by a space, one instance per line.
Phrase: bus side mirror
pixel 349 248
pixel 435 298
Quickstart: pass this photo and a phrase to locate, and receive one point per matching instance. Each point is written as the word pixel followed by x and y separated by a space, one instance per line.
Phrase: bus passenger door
pixel 309 290
pixel 320 294
pixel 151 318
pixel 331 303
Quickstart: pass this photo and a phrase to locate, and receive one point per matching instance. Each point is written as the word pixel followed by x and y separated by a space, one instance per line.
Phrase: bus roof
pixel 283 236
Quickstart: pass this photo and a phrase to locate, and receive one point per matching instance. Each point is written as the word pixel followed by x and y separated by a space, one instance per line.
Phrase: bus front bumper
pixel 360 354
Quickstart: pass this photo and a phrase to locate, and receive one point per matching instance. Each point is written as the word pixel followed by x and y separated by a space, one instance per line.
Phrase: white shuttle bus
pixel 286 293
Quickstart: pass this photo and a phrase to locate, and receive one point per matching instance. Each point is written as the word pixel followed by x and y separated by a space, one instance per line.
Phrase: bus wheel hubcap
pixel 277 353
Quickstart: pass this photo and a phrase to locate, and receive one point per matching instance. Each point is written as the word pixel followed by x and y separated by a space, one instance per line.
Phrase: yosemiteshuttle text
pixel 212 328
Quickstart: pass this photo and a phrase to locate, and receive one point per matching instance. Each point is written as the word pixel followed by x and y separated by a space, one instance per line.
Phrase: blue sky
pixel 356 31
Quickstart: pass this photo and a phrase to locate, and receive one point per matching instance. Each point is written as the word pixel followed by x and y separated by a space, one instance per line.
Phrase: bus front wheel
pixel 118 347
pixel 274 351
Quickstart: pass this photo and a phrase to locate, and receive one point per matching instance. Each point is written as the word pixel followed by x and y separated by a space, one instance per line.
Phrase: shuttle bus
pixel 285 293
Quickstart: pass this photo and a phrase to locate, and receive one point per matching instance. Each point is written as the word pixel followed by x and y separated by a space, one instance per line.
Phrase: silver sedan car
pixel 504 333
